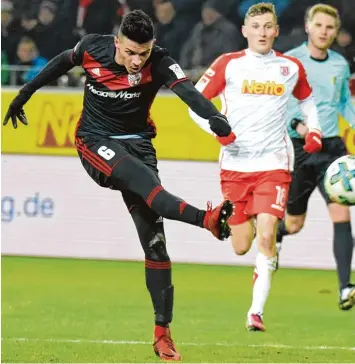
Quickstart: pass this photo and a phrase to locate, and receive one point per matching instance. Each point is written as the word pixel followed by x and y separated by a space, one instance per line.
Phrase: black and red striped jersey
pixel 117 103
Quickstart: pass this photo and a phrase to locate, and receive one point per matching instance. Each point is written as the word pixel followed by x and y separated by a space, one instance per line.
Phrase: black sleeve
pixel 59 66
pixel 170 72
pixel 196 101
pixel 174 78
pixel 55 68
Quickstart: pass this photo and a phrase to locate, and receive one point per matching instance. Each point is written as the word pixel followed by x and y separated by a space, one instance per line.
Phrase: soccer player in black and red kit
pixel 113 139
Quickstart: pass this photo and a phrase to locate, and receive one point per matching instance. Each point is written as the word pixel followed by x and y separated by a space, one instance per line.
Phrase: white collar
pixel 249 52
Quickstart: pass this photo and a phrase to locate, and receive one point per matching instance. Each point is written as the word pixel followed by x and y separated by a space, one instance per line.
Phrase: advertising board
pixel 50 207
pixel 53 115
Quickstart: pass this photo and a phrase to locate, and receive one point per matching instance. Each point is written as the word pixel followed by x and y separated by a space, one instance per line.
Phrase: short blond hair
pixel 260 9
pixel 325 9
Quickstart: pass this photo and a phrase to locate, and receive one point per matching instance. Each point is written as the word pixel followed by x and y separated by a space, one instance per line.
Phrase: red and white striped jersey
pixel 255 90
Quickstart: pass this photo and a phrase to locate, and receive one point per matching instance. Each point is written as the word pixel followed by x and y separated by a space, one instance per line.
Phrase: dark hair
pixel 137 26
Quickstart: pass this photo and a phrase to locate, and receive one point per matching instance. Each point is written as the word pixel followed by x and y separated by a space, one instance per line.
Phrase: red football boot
pixel 215 219
pixel 164 346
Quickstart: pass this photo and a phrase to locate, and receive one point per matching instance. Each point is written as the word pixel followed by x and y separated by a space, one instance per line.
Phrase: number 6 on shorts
pixel 106 152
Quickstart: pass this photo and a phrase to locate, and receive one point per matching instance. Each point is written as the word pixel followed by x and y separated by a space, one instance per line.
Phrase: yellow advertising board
pixel 348 134
pixel 52 119
pixel 53 115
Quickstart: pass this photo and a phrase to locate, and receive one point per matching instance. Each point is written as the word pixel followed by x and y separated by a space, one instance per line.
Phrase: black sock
pixel 171 207
pixel 158 281
pixel 281 231
pixel 343 246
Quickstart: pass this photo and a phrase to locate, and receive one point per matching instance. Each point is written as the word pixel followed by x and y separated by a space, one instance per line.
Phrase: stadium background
pixel 51 208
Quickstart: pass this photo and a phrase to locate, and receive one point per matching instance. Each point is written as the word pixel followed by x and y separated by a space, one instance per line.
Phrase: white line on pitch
pixel 132 342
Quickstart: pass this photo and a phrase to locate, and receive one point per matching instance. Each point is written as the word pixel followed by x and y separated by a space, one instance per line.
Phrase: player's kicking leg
pixel 127 172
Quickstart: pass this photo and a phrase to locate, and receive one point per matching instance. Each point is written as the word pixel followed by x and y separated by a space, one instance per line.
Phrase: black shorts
pixel 139 172
pixel 309 171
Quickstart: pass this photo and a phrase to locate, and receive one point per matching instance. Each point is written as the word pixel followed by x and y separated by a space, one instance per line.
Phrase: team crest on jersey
pixel 285 71
pixel 134 79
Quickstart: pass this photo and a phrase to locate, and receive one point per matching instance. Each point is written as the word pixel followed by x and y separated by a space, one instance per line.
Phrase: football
pixel 339 180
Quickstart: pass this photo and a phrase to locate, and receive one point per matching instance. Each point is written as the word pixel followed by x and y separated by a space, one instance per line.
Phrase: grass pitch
pixel 84 311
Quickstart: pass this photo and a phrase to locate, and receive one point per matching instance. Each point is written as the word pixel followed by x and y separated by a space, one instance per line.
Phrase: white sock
pixel 263 272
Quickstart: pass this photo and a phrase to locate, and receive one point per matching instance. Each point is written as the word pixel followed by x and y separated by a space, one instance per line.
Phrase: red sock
pixel 159 331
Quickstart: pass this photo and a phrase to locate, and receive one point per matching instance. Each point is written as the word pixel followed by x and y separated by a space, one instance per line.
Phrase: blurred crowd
pixel 194 31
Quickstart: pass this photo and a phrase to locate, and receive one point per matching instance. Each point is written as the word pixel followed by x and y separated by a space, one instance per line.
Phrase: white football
pixel 339 180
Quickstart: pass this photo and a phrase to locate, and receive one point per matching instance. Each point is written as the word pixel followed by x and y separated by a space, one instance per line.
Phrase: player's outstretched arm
pixel 204 108
pixel 210 85
pixel 57 67
pixel 175 79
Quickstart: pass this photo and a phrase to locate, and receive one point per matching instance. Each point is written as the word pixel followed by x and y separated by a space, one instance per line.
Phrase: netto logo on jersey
pixel 263 88
pixel 114 95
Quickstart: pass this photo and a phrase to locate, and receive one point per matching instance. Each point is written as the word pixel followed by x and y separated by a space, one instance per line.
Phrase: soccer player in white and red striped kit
pixel 255 86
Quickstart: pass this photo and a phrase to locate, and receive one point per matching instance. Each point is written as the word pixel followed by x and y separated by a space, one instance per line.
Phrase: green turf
pixel 51 302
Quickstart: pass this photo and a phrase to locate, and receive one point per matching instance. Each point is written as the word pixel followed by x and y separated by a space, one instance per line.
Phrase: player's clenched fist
pixel 313 141
pixel 16 111
pixel 219 125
